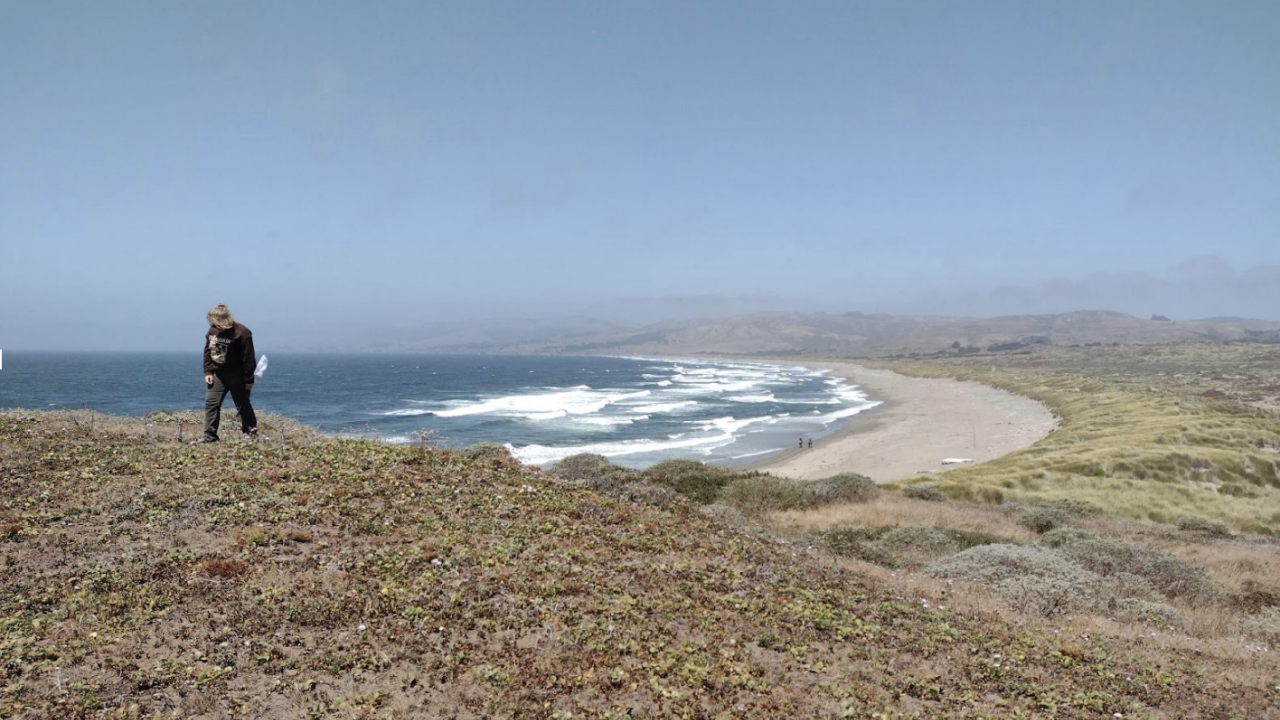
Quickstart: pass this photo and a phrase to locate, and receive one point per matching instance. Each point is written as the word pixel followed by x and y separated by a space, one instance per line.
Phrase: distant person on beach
pixel 810 443
pixel 801 443
pixel 228 368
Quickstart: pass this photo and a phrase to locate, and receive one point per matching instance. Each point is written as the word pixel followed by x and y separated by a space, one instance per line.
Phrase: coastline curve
pixel 922 423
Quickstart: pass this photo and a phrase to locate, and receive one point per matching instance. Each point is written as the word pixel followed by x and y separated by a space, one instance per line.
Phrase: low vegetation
pixel 1186 434
pixel 309 578
pixel 1124 566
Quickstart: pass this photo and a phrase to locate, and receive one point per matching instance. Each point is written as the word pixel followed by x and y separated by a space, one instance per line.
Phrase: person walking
pixel 228 368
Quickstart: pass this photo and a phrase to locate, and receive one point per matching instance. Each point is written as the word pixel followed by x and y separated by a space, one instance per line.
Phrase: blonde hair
pixel 220 317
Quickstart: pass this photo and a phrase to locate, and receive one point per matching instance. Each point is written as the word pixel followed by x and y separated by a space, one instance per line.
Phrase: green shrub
pixel 917 537
pixel 1170 576
pixel 762 494
pixel 1128 586
pixel 911 546
pixel 842 488
pixel 723 513
pixel 676 467
pixel 994 564
pixel 1155 614
pixel 583 466
pixel 858 543
pixel 1042 519
pixel 1077 508
pixel 1200 525
pixel 1035 579
pixel 597 473
pixel 1235 490
pixel 1064 536
pixel 932 493
pixel 697 481
pixel 487 451
pixel 966 539
pixel 629 489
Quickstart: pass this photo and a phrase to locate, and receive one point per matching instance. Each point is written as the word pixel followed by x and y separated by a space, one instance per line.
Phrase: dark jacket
pixel 230 352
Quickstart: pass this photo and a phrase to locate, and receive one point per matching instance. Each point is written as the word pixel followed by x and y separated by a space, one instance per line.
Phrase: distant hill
pixel 850 333
pixel 865 334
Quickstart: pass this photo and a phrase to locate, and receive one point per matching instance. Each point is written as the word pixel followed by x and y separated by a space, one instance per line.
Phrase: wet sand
pixel 922 422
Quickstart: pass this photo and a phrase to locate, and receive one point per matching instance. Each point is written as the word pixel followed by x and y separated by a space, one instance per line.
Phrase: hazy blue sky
pixel 318 164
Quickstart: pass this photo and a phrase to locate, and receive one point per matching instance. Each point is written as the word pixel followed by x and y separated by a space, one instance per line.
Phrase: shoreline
pixel 920 423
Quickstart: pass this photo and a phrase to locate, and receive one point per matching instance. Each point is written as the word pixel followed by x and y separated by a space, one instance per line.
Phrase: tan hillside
pixel 861 334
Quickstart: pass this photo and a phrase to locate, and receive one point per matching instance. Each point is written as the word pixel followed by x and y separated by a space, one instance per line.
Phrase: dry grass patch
pixel 894 510
pixel 223 567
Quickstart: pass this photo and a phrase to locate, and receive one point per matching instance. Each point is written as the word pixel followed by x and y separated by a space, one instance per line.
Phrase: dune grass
pixel 1160 434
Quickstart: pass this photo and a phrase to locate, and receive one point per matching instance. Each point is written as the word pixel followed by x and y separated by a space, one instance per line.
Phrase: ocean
pixel 636 411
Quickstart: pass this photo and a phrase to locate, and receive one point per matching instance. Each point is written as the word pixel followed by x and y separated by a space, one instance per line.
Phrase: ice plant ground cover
pixel 305 577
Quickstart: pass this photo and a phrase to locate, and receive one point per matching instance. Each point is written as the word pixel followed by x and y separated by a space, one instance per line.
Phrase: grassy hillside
pixel 302 577
pixel 1174 433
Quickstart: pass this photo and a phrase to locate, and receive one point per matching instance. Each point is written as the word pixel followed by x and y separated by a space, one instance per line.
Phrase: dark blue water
pixel 636 411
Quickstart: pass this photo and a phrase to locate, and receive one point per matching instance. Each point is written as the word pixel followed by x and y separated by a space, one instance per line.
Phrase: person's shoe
pixel 252 435
pixel 205 440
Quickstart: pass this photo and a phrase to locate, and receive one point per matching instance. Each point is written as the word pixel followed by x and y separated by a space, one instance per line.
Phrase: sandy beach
pixel 922 422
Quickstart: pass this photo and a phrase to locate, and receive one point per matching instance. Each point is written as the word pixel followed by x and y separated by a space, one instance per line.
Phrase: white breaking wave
pixel 711 411
pixel 848 412
pixel 612 420
pixel 659 408
pixel 831 401
pixel 761 398
pixel 581 400
pixel 730 425
pixel 549 415
pixel 544 454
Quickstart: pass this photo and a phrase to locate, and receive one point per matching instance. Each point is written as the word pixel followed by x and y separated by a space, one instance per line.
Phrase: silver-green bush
pixel 1062 536
pixel 1172 577
pixel 911 546
pixel 917 537
pixel 842 488
pixel 1155 614
pixel 1035 579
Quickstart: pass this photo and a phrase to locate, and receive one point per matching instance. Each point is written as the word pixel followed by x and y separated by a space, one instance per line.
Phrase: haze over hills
pixel 850 333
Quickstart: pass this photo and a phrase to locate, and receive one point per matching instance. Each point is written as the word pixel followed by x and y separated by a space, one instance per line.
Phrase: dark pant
pixel 217 392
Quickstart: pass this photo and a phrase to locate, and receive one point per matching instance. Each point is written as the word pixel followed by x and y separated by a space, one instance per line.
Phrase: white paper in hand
pixel 262 367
